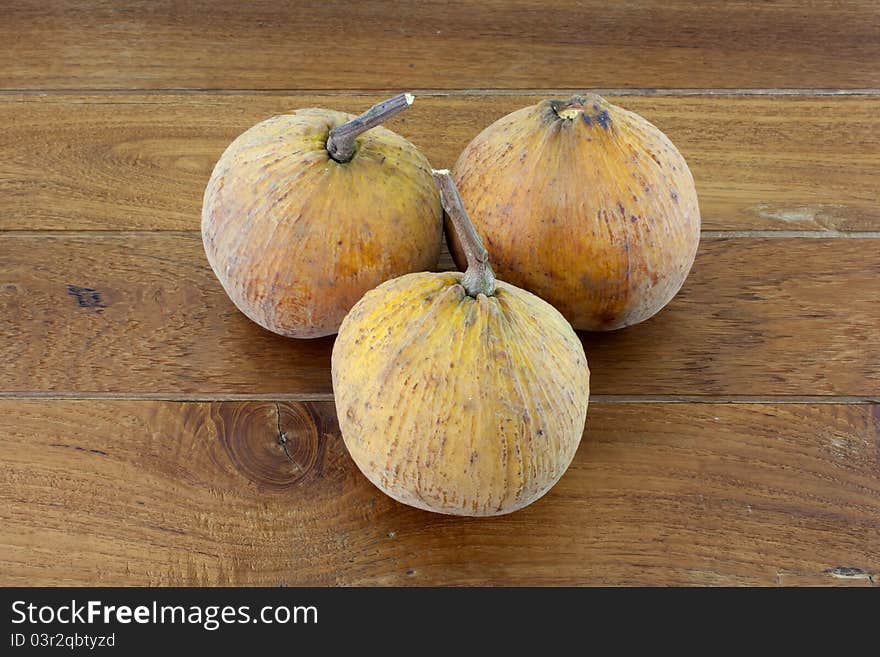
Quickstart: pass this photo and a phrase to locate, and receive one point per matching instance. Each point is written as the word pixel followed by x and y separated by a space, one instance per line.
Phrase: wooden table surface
pixel 732 439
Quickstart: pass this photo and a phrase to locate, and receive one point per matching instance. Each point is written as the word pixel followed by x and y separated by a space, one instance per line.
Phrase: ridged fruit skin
pixel 459 405
pixel 296 238
pixel 596 213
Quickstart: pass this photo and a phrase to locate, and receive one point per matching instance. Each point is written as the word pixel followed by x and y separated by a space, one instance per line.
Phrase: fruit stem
pixel 340 143
pixel 479 277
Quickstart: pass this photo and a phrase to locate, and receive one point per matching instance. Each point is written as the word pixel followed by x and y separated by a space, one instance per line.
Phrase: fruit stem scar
pixel 579 105
pixel 479 277
pixel 340 143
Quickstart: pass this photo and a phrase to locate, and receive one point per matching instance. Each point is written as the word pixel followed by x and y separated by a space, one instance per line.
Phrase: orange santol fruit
pixel 585 204
pixel 457 393
pixel 307 211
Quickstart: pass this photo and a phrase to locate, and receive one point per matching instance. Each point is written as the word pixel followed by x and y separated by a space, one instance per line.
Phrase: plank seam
pixel 315 397
pixel 621 91
pixel 706 234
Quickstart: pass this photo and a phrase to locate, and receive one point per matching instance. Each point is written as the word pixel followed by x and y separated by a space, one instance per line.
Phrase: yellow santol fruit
pixel 457 393
pixel 587 205
pixel 307 211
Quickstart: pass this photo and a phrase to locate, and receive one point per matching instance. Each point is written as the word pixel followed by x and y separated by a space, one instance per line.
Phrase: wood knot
pixel 87 297
pixel 274 445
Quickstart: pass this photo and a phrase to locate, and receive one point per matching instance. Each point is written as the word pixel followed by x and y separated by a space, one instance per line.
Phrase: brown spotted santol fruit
pixel 306 211
pixel 457 393
pixel 585 204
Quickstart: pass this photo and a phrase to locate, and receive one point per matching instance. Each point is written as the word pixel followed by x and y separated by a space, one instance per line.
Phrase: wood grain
pixel 164 493
pixel 95 162
pixel 275 44
pixel 143 314
pixel 112 115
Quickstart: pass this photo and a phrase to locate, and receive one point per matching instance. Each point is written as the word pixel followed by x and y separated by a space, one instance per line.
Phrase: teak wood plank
pixel 142 162
pixel 143 314
pixel 201 493
pixel 275 44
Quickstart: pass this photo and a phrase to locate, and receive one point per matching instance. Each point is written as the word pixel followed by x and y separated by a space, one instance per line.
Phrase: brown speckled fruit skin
pixel 296 238
pixel 459 405
pixel 597 214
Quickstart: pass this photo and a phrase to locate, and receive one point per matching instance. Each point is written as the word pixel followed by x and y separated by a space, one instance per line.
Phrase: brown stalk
pixel 479 277
pixel 341 142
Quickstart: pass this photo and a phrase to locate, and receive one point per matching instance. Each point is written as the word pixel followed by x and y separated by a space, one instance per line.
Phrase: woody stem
pixel 340 143
pixel 479 277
